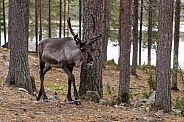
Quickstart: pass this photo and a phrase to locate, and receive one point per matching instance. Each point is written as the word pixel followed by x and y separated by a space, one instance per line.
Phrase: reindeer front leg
pixel 71 79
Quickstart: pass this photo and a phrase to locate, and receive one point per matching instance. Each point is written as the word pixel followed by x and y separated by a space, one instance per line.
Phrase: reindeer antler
pixel 96 37
pixel 71 30
pixel 93 22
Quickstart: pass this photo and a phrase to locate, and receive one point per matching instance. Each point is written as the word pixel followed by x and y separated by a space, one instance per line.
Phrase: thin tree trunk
pixel 36 25
pixel 140 33
pixel 49 19
pixel 150 30
pixel 125 46
pixel 165 29
pixel 80 17
pixel 60 18
pixel 176 45
pixel 4 22
pixel 0 20
pixel 40 35
pixel 104 35
pixel 135 38
pixel 64 18
pixel 68 16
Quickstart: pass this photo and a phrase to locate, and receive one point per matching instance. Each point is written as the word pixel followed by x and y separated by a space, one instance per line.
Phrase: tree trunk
pixel 165 27
pixel 68 16
pixel 125 46
pixel 19 74
pixel 60 18
pixel 0 20
pixel 64 24
pixel 140 32
pixel 80 17
pixel 4 22
pixel 36 25
pixel 49 19
pixel 135 38
pixel 150 30
pixel 91 77
pixel 104 35
pixel 176 45
pixel 40 35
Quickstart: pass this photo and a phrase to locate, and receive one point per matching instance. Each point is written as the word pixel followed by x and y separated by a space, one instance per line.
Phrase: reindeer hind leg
pixel 44 96
pixel 42 66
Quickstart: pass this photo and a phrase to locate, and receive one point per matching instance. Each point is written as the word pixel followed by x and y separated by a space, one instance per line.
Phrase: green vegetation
pixel 150 71
pixel 1 82
pixel 56 87
pixel 145 94
pixel 111 63
pixel 180 104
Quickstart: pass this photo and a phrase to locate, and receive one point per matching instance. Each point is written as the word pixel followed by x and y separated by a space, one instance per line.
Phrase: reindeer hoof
pixel 77 102
pixel 45 100
pixel 69 101
pixel 37 98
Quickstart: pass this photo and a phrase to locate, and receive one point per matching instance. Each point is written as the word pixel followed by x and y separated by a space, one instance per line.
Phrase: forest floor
pixel 16 105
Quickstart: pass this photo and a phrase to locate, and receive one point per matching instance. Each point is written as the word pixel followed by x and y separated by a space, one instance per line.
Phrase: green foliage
pixel 108 89
pixel 56 87
pixel 180 105
pixel 150 71
pixel 111 63
pixel 1 82
pixel 145 94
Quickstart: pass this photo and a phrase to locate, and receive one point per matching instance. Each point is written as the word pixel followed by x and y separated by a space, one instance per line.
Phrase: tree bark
pixel 125 46
pixel 36 25
pixel 176 45
pixel 64 19
pixel 104 35
pixel 135 38
pixel 140 33
pixel 150 30
pixel 165 28
pixel 19 74
pixel 80 17
pixel 4 22
pixel 40 35
pixel 49 18
pixel 60 18
pixel 91 77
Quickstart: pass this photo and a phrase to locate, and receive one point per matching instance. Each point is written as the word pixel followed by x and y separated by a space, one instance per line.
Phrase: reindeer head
pixel 86 47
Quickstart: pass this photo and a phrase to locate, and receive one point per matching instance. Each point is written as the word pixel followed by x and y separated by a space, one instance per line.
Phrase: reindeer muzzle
pixel 90 60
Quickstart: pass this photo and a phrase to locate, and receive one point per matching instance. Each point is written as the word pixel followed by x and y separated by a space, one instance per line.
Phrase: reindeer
pixel 64 53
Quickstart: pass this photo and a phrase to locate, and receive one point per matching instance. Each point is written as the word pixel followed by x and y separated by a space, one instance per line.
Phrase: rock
pixel 151 98
pixel 122 107
pixel 140 102
pixel 177 111
pixel 147 109
pixel 101 101
pixel 149 119
pixel 93 95
pixel 115 106
pixel 1 55
pixel 54 98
